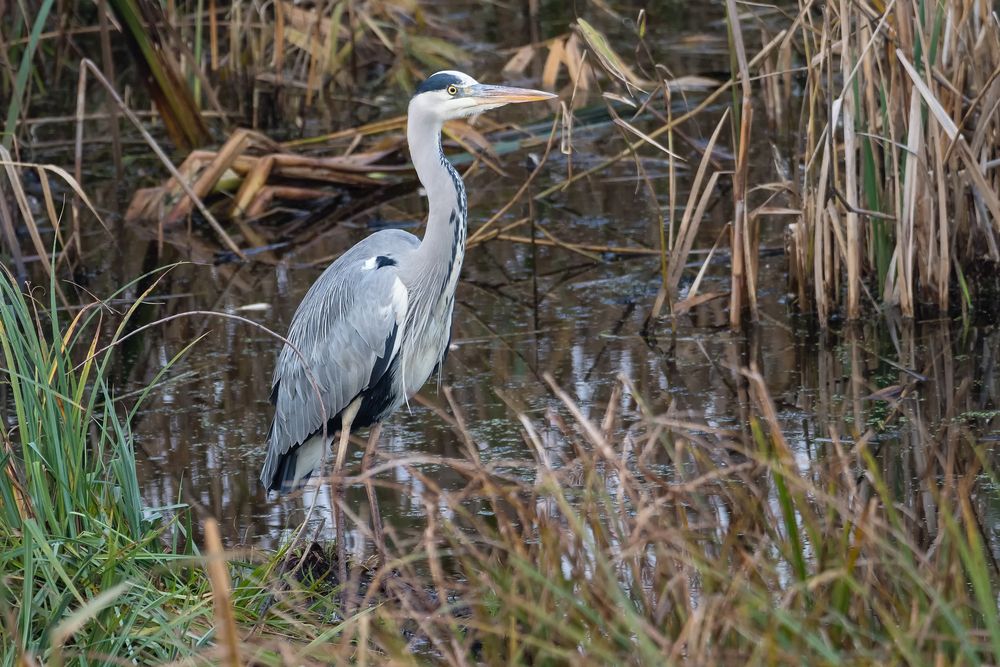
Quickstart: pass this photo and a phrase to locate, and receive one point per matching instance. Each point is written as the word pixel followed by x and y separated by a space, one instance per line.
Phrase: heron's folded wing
pixel 348 327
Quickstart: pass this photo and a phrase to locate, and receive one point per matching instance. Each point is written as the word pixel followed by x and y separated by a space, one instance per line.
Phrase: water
pixel 525 311
pixel 579 320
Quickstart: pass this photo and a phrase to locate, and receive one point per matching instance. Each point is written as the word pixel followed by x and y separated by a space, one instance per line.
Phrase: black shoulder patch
pixel 438 81
pixel 384 260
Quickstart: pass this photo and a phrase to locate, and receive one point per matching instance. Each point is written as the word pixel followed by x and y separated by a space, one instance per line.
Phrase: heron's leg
pixel 347 416
pixel 366 463
pixel 346 419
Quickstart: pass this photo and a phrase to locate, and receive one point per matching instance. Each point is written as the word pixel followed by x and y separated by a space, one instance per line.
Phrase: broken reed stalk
pixel 585 249
pixel 851 184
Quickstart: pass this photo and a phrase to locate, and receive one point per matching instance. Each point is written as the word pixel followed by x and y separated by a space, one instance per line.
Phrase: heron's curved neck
pixel 444 241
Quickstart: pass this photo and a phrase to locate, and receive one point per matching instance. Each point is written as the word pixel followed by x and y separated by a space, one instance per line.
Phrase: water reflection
pixel 915 393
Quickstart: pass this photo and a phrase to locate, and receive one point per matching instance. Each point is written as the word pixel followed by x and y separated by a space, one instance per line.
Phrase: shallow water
pixel 525 311
pixel 522 315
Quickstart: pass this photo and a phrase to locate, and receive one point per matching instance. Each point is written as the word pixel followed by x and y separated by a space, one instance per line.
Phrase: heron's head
pixel 447 95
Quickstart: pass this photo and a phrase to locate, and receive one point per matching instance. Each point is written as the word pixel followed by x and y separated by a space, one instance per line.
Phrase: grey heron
pixel 377 323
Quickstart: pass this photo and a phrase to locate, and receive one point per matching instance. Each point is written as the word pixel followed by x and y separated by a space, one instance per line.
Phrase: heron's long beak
pixel 485 95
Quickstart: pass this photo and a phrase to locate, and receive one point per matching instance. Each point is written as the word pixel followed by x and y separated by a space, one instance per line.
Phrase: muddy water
pixel 524 311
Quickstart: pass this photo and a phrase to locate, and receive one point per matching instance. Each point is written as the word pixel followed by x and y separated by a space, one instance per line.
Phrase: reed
pixel 145 31
pixel 682 543
pixel 191 54
pixel 899 138
pixel 892 114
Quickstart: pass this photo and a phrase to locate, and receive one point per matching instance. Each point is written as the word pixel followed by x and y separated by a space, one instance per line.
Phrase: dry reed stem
pixel 908 87
pixel 973 169
pixel 109 71
pixel 216 565
pixel 693 299
pixel 10 238
pixel 694 211
pixel 202 187
pixel 851 185
pixel 584 249
pixel 6 219
pixel 28 219
pixel 744 280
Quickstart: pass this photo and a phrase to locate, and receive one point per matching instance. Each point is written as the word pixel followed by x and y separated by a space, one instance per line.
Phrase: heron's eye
pixel 453 90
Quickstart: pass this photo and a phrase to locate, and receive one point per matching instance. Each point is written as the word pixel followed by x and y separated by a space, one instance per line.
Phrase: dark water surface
pixel 524 311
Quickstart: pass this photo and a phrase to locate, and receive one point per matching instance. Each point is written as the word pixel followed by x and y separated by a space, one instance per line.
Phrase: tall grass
pixel 88 573
pixel 17 102
pixel 79 556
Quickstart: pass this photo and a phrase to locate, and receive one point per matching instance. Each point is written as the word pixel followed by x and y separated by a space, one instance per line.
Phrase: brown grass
pixel 676 542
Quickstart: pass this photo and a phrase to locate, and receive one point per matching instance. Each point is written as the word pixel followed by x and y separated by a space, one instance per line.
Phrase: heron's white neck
pixel 443 245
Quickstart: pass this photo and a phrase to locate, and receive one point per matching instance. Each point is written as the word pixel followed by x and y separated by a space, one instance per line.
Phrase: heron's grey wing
pixel 347 328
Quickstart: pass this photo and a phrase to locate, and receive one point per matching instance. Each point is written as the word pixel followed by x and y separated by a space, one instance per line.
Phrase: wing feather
pixel 348 328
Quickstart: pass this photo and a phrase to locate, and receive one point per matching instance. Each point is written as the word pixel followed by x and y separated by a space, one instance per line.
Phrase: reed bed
pixel 887 117
pixel 897 140
pixel 886 126
pixel 680 543
pixel 267 61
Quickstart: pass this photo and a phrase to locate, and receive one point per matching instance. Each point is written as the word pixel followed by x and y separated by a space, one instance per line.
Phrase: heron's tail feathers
pixel 293 469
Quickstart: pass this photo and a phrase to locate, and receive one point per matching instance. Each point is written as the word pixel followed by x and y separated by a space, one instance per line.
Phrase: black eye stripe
pixel 440 81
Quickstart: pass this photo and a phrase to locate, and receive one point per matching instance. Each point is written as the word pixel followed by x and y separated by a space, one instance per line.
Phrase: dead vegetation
pixel 899 137
pixel 886 187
